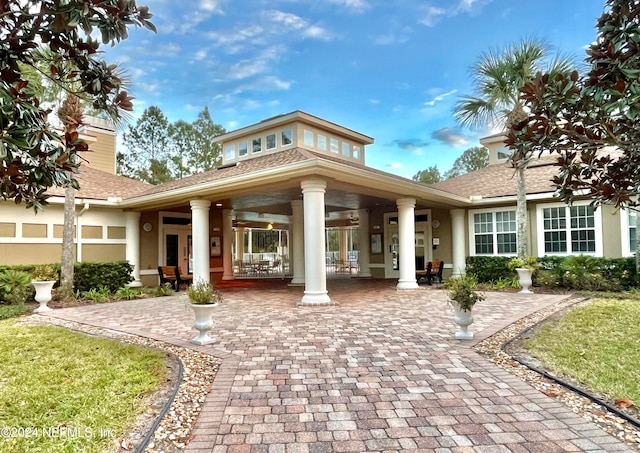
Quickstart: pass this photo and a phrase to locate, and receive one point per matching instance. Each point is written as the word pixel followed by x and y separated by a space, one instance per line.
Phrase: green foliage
pixel 577 272
pixel 98 295
pixel 12 311
pixel 126 293
pixel 45 273
pixel 15 286
pixel 55 35
pixel 203 292
pixel 90 275
pixel 577 116
pixel 530 262
pixel 472 159
pixel 429 176
pixel 163 290
pixel 462 290
pixel 489 268
pixel 158 151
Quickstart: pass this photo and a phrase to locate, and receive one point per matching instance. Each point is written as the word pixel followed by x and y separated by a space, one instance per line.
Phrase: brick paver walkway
pixel 378 372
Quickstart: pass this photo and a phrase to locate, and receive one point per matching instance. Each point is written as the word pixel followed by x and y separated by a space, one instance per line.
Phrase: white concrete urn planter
pixel 203 323
pixel 463 318
pixel 524 279
pixel 43 294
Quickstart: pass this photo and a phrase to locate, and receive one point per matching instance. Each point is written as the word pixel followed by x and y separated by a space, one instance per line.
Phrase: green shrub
pixel 12 311
pixel 98 295
pixel 15 286
pixel 92 275
pixel 489 269
pixel 203 292
pixel 546 278
pixel 126 293
pixel 163 290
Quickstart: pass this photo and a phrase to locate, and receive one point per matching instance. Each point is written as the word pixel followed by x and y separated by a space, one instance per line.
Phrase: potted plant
pixel 204 299
pixel 463 296
pixel 44 277
pixel 524 268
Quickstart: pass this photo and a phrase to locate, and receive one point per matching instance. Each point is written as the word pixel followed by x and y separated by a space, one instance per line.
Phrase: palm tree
pixel 498 76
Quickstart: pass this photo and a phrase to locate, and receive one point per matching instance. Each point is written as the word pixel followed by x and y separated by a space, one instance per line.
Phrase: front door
pixel 177 248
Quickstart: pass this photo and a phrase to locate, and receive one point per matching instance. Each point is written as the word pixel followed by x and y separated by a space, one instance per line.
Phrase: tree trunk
pixel 521 210
pixel 66 267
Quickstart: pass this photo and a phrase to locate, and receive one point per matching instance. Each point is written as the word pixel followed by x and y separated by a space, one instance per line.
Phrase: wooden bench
pixel 171 274
pixel 433 271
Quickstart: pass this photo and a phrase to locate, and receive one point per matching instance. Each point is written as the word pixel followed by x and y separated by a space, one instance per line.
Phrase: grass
pixel 596 345
pixel 71 385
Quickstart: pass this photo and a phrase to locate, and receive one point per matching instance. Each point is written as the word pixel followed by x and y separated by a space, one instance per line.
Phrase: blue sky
pixel 390 69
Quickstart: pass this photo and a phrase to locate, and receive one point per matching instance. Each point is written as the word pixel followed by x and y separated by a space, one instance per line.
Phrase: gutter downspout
pixel 79 232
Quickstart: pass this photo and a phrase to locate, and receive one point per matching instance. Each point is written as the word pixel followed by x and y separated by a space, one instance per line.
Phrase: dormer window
pixel 243 149
pixel 356 152
pixel 257 145
pixel 230 152
pixel 346 149
pixel 287 137
pixel 271 141
pixel 503 153
pixel 322 142
pixel 334 145
pixel 308 138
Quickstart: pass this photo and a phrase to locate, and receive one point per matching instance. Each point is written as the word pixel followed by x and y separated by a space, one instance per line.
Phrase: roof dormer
pixel 291 130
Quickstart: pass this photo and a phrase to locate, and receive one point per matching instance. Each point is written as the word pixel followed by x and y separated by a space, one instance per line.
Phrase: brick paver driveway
pixel 378 372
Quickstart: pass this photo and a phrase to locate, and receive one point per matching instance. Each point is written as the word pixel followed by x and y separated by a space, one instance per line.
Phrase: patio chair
pixel 436 271
pixel 424 274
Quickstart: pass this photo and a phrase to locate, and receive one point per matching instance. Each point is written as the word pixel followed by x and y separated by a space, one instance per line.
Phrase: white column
pixel 296 248
pixel 315 273
pixel 458 242
pixel 344 243
pixel 227 244
pixel 364 255
pixel 200 233
pixel 132 248
pixel 240 244
pixel 406 246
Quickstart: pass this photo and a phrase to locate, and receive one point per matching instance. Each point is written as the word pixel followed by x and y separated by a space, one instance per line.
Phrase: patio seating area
pixel 378 371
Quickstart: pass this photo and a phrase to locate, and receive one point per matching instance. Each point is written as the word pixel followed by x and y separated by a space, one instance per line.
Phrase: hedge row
pixel 570 272
pixel 91 275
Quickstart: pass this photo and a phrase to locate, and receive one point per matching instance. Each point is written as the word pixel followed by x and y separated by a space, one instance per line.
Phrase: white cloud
pixel 374 101
pixel 394 165
pixel 440 97
pixel 450 137
pixel 433 14
pixel 394 37
pixel 356 6
pixel 201 54
pixel 291 21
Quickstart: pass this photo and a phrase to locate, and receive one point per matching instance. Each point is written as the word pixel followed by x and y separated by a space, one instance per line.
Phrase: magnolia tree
pixel 36 34
pixel 592 120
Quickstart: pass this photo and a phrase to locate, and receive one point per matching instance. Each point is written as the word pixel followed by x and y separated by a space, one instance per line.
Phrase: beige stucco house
pixel 302 175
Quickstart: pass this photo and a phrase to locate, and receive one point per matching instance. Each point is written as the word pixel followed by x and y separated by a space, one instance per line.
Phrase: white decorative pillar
pixel 227 244
pixel 344 243
pixel 240 244
pixel 132 248
pixel 406 246
pixel 200 233
pixel 296 248
pixel 315 273
pixel 364 255
pixel 458 242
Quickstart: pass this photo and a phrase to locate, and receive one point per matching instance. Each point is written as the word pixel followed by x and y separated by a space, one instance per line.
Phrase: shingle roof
pixel 100 185
pixel 499 180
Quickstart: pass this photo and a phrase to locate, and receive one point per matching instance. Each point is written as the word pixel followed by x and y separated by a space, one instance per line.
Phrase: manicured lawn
pixel 596 345
pixel 11 311
pixel 62 391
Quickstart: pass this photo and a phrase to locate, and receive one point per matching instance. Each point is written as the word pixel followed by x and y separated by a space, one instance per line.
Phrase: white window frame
pixel 308 137
pixel 597 226
pixel 334 145
pixel 355 152
pixel 243 148
pixel 253 145
pixel 472 234
pixel 230 152
pixel 625 234
pixel 288 134
pixel 275 141
pixel 346 149
pixel 322 142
